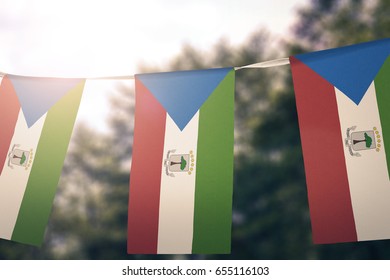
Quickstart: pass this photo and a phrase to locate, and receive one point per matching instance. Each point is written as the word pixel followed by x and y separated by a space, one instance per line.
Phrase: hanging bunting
pixel 342 97
pixel 36 122
pixel 181 180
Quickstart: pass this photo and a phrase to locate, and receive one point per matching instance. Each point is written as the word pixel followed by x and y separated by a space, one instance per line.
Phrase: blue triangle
pixel 37 95
pixel 182 93
pixel 352 68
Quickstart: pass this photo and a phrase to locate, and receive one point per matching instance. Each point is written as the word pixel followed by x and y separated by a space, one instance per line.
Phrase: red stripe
pixel 9 111
pixel 145 176
pixel 326 174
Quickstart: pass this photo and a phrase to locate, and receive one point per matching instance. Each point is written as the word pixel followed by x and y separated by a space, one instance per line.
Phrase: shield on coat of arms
pixel 177 163
pixel 19 157
pixel 362 140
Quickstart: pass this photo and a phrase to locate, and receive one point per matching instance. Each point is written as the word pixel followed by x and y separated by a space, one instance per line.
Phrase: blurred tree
pixel 334 23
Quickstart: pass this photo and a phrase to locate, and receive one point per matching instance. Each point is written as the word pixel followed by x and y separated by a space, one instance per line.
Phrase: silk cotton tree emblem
pixel 20 157
pixel 357 141
pixel 179 163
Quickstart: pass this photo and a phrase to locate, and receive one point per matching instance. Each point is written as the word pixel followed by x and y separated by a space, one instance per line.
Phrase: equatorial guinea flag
pixel 181 180
pixel 343 98
pixel 36 122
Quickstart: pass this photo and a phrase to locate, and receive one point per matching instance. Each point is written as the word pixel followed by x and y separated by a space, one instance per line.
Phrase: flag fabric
pixel 342 98
pixel 181 180
pixel 37 116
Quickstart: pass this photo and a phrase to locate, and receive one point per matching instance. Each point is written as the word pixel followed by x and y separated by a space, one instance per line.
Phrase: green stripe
pixel 214 174
pixel 382 88
pixel 46 170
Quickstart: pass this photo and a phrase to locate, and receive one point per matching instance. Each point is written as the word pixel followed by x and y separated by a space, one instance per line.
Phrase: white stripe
pixel 177 194
pixel 367 175
pixel 13 181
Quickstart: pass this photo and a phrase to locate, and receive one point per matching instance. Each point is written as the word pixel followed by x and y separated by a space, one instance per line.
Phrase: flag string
pixel 264 64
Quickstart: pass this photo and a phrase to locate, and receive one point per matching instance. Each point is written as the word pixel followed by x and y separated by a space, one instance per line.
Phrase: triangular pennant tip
pixel 182 93
pixel 37 95
pixel 351 69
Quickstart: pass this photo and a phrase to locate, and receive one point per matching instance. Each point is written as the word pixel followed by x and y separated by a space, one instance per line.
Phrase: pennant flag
pixel 198 85
pixel 345 141
pixel 47 90
pixel 181 181
pixel 351 69
pixel 32 153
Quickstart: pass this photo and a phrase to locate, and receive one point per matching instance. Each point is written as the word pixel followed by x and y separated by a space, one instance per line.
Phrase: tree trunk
pixel 358 141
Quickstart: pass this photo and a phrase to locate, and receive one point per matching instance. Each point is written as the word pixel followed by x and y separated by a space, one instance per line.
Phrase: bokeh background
pixel 270 208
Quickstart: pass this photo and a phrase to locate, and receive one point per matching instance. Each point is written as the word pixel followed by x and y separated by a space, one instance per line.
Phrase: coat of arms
pixel 177 163
pixel 19 157
pixel 358 141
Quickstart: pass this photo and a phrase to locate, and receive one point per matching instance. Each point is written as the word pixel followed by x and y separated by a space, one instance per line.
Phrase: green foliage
pixel 326 24
pixel 23 158
pixel 368 140
pixel 183 163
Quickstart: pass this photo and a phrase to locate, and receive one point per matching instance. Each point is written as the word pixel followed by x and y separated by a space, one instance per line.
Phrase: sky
pixel 92 38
